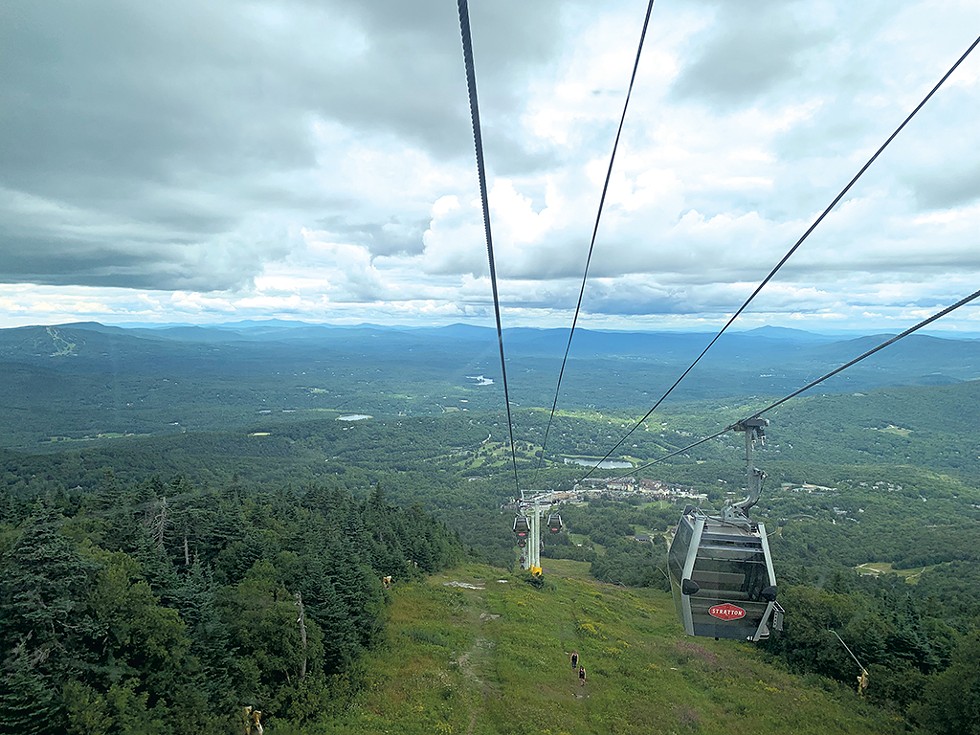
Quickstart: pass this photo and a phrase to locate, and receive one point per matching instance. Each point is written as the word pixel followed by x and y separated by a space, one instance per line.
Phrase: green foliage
pixel 131 714
pixel 951 700
pixel 143 613
pixel 86 710
pixel 30 703
pixel 633 563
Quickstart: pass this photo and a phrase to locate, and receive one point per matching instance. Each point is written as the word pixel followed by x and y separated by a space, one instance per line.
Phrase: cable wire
pixel 464 30
pixel 675 452
pixel 869 353
pixel 925 322
pixel 792 250
pixel 595 230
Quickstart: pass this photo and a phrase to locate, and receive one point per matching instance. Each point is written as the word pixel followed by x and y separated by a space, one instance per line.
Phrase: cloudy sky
pixel 313 160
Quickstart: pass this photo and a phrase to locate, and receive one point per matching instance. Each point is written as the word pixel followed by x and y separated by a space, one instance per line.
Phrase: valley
pixel 145 443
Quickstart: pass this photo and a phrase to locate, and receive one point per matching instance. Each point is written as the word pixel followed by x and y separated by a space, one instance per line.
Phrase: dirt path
pixel 471 661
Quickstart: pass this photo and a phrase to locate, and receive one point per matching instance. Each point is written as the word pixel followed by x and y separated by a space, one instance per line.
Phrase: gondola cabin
pixel 554 523
pixel 720 567
pixel 722 578
pixel 521 530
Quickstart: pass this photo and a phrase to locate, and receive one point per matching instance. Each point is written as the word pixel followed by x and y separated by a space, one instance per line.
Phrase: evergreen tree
pixel 28 699
pixel 950 703
pixel 42 622
pixel 40 591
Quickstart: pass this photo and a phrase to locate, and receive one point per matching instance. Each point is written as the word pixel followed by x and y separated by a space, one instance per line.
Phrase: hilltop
pixel 477 651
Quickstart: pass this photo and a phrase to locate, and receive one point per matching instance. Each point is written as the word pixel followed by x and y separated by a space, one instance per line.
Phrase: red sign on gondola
pixel 726 611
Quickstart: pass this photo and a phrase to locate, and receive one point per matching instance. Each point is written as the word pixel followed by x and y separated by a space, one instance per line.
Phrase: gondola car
pixel 720 567
pixel 722 578
pixel 554 523
pixel 521 529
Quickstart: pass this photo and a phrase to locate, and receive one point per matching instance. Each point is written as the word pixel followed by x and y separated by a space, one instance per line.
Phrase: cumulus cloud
pixel 314 160
pixel 747 52
pixel 135 134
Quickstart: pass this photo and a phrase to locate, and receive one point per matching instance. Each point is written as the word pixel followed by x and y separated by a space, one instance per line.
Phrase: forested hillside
pixel 166 608
pixel 193 521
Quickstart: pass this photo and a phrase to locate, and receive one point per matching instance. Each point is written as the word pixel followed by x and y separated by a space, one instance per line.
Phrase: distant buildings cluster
pixel 808 488
pixel 623 487
pixel 619 488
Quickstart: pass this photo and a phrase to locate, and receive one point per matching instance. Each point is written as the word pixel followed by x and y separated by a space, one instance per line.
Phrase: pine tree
pixel 40 590
pixel 950 704
pixel 28 699
pixel 42 623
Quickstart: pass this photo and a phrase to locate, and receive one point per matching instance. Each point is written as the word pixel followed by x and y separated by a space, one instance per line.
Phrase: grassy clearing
pixel 495 660
pixel 580 539
pixel 566 568
pixel 878 568
pixel 658 504
pixel 491 455
pixel 896 430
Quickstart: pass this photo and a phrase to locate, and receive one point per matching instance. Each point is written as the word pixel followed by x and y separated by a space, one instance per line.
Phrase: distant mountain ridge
pixel 764 343
pixel 96 379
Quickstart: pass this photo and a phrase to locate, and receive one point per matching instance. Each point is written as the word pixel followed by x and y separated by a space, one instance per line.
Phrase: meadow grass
pixel 495 659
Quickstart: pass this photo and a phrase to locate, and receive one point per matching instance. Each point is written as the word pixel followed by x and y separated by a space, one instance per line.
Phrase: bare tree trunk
pixel 302 632
pixel 187 553
pixel 161 523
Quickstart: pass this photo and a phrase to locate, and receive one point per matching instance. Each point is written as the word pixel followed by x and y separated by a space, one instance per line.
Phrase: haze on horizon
pixel 314 162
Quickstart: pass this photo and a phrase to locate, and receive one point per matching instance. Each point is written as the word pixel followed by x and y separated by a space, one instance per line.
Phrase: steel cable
pixel 464 29
pixel 595 230
pixel 925 322
pixel 790 252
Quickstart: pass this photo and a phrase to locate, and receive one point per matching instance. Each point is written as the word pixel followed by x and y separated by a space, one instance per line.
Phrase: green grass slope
pixel 494 659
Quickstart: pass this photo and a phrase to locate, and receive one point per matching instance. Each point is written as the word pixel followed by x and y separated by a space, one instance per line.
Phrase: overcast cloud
pixel 202 162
